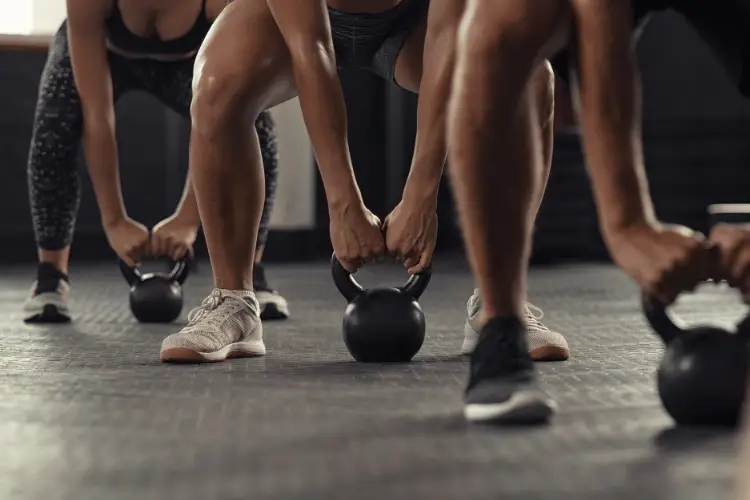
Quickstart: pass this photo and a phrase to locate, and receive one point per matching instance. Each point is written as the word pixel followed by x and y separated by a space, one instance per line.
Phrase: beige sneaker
pixel 544 344
pixel 225 325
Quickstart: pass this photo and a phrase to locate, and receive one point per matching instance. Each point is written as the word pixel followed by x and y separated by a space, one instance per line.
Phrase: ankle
pixel 51 270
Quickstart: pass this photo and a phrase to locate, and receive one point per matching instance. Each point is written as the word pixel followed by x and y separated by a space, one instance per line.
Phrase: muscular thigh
pixel 244 58
pixel 441 21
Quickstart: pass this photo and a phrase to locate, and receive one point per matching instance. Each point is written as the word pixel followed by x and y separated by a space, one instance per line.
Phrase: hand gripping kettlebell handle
pixel 417 283
pixel 658 317
pixel 344 281
pixel 131 274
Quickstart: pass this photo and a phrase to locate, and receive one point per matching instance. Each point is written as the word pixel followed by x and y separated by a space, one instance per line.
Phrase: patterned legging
pixel 53 177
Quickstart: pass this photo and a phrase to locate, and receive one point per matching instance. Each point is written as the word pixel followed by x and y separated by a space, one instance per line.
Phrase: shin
pixel 497 157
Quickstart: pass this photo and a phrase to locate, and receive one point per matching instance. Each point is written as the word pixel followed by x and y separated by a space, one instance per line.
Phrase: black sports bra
pixel 122 38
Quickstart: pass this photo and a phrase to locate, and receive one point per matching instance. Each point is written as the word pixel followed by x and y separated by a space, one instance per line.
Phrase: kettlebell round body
pixel 156 299
pixel 384 325
pixel 702 377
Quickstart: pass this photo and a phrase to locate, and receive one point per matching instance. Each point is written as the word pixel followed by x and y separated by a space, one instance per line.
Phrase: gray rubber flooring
pixel 87 411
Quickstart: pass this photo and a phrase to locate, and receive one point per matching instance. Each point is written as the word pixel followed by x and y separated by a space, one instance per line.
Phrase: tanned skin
pixel 88 48
pixel 663 260
pixel 496 152
pixel 286 50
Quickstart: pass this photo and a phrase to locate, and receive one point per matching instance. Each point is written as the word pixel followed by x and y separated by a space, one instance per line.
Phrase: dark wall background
pixel 697 151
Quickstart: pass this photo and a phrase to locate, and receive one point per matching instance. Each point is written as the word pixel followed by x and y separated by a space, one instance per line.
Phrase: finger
pixel 421 265
pixel 178 252
pixel 410 262
pixel 128 260
pixel 158 245
pixel 351 265
pixel 131 257
pixel 426 259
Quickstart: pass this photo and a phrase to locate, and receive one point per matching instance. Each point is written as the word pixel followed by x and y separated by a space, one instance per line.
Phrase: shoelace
pixel 534 317
pixel 533 314
pixel 210 303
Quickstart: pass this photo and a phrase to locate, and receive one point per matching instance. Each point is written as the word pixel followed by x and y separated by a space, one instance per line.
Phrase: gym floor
pixel 87 411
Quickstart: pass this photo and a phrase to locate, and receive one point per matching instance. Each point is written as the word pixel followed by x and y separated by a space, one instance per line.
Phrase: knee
pixel 524 28
pixel 220 102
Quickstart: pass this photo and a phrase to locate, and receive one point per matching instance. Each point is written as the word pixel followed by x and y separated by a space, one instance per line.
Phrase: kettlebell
pixel 156 297
pixel 703 375
pixel 384 324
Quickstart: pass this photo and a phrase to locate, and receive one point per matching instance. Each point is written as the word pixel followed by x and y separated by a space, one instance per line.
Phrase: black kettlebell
pixel 703 375
pixel 156 297
pixel 382 325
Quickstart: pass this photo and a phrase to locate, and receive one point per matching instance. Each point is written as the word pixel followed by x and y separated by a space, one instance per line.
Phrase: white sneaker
pixel 49 296
pixel 226 325
pixel 544 344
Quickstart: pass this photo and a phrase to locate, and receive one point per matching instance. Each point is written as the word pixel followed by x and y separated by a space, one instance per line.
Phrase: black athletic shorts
pixel 372 42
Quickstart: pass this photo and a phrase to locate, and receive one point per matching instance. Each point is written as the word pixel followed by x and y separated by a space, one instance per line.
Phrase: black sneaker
pixel 272 304
pixel 502 380
pixel 48 302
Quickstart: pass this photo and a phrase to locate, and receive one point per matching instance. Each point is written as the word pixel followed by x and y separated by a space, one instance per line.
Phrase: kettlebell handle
pixel 131 274
pixel 417 283
pixel 179 273
pixel 344 281
pixel 182 268
pixel 658 317
pixel 351 289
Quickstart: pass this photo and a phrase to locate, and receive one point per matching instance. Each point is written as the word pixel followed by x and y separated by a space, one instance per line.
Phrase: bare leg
pixel 242 69
pixel 497 160
pixel 226 166
pixel 495 115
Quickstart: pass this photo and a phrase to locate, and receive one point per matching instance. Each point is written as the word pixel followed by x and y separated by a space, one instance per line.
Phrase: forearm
pixel 100 150
pixel 430 148
pixel 610 98
pixel 187 209
pixel 324 111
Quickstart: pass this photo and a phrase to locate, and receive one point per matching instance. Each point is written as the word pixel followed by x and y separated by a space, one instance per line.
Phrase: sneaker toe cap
pixel 548 345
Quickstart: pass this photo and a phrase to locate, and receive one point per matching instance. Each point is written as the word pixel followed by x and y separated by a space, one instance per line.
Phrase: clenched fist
pixel 356 236
pixel 664 260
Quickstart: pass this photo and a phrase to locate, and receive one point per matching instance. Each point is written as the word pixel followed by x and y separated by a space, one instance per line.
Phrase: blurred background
pixel 696 127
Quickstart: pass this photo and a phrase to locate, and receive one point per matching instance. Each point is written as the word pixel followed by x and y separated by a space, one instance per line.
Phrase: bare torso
pixel 363 6
pixel 162 20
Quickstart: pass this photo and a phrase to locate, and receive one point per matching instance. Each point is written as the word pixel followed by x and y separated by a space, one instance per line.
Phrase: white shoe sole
pixel 521 408
pixel 249 349
pixel 46 308
pixel 272 306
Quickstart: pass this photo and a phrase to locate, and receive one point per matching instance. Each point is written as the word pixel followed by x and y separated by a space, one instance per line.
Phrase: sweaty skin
pixel 497 153
pixel 285 46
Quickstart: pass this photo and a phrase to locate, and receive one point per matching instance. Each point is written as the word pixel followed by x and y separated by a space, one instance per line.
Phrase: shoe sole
pixel 49 313
pixel 523 408
pixel 183 355
pixel 544 353
pixel 272 307
pixel 273 311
